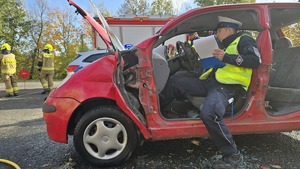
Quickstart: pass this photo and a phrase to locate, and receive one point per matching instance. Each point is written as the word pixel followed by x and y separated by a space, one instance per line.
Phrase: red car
pixel 112 106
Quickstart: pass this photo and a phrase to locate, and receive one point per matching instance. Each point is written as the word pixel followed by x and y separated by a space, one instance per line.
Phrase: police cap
pixel 228 22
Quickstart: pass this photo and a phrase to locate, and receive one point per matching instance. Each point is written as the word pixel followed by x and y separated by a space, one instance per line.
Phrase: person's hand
pixel 219 54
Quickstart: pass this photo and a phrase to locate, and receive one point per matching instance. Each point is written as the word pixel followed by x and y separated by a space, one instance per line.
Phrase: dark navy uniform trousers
pixel 181 85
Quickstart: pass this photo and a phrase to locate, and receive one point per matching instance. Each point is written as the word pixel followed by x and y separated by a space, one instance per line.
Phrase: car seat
pixel 283 42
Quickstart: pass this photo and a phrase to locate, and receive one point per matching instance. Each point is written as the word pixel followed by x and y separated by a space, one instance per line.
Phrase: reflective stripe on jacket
pixel 191 43
pixel 48 61
pixel 8 64
pixel 231 74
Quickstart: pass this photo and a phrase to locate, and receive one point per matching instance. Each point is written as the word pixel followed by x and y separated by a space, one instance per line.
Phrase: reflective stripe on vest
pixel 8 64
pixel 190 42
pixel 48 63
pixel 231 74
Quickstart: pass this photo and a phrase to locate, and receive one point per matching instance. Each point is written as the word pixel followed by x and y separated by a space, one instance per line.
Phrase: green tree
pixel 292 32
pixel 39 14
pixel 104 11
pixel 87 35
pixel 13 21
pixel 218 2
pixel 134 7
pixel 14 28
pixel 162 7
pixel 64 33
pixel 62 29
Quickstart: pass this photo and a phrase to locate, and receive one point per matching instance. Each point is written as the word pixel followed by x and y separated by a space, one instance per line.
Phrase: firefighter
pixel 219 85
pixel 171 51
pixel 47 69
pixel 191 37
pixel 8 66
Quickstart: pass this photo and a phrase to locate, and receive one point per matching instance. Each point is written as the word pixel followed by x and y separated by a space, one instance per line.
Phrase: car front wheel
pixel 105 136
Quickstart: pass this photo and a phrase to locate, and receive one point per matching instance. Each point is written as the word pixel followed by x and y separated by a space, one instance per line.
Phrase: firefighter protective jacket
pixel 8 64
pixel 48 61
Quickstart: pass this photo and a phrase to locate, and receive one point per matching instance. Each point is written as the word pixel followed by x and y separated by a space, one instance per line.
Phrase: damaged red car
pixel 112 106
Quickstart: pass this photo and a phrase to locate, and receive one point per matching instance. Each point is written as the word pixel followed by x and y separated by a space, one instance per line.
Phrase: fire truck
pixel 131 29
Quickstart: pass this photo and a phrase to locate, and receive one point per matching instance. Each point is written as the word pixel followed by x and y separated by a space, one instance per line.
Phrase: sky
pixel 112 5
pixel 259 1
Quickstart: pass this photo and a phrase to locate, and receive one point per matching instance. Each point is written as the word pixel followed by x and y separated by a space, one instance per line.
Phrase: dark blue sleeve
pixel 249 55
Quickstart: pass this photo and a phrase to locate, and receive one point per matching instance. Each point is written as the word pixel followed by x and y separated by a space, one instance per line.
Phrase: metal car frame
pixel 131 80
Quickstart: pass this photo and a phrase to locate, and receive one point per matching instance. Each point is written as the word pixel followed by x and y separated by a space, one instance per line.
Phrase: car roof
pixel 206 18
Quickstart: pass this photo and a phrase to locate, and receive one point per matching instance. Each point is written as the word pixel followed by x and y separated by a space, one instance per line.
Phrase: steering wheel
pixel 180 47
pixel 187 55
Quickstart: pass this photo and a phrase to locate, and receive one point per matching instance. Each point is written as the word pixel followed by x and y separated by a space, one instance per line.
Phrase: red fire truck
pixel 139 27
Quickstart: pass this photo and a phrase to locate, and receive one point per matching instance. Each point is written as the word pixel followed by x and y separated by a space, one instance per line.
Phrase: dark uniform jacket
pixel 247 49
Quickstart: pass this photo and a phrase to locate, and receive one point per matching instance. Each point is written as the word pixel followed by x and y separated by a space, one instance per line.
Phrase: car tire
pixel 105 136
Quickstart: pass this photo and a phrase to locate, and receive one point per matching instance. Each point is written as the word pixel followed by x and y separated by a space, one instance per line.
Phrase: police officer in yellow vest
pixel 218 85
pixel 8 66
pixel 47 70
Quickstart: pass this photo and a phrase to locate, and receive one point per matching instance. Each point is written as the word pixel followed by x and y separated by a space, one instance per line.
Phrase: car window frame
pixel 86 60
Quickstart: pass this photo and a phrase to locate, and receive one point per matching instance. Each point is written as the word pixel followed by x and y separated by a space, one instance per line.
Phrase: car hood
pixel 109 38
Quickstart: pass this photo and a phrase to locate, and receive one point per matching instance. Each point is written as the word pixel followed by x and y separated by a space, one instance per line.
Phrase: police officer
pixel 8 66
pixel 47 70
pixel 219 85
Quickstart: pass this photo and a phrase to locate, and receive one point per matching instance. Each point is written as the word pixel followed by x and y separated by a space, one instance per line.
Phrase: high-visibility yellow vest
pixel 48 61
pixel 231 74
pixel 190 42
pixel 8 64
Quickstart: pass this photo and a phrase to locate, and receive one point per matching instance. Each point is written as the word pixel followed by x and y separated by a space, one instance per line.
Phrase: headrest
pixel 283 42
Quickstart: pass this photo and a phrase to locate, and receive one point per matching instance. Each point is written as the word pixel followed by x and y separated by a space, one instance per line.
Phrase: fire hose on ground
pixel 10 163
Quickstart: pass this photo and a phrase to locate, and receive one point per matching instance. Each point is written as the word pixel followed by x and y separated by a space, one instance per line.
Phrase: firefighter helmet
pixel 49 47
pixel 5 46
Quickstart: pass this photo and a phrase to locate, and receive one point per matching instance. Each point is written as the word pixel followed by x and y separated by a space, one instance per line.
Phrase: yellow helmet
pixel 5 46
pixel 49 47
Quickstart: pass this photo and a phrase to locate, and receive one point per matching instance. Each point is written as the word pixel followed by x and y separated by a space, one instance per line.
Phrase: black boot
pixel 9 95
pixel 45 91
pixel 229 162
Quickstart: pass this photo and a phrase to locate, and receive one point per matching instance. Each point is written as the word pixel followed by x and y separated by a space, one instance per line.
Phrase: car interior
pixel 204 25
pixel 284 82
pixel 283 91
pixel 185 62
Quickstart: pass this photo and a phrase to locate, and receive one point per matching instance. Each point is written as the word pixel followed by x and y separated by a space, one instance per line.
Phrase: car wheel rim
pixel 105 138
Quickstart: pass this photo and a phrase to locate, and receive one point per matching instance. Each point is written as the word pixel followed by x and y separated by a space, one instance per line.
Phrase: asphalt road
pixel 24 140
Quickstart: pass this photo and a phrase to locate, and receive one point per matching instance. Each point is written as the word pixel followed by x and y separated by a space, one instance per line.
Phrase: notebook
pixel 204 46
